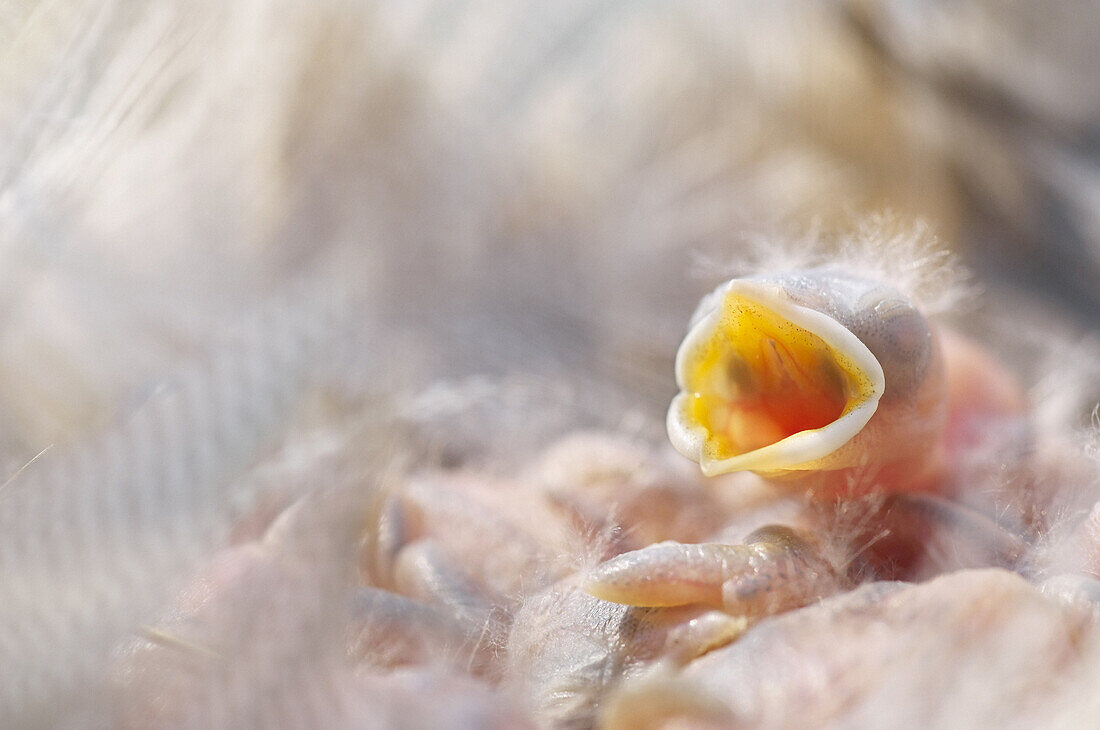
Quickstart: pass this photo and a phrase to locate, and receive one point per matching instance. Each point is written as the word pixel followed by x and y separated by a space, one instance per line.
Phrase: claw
pixel 669 574
pixel 775 570
pixel 711 630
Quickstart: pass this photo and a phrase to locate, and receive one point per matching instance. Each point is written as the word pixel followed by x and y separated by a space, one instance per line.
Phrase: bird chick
pixel 824 379
pixel 838 385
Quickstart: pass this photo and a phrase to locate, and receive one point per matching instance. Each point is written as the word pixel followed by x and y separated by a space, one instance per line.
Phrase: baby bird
pixel 836 385
pixel 810 373
pixel 826 379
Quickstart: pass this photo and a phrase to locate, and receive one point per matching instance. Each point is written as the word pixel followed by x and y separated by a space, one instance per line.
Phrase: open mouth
pixel 768 385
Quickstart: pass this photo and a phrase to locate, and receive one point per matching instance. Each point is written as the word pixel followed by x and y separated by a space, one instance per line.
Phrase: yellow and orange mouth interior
pixel 760 378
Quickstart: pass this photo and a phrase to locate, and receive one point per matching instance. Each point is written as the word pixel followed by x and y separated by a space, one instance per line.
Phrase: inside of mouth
pixel 761 379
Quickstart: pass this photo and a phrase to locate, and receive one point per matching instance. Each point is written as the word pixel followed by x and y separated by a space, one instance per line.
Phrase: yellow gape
pixel 770 386
pixel 760 379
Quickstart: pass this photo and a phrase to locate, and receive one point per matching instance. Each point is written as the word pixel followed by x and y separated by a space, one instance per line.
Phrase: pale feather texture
pixel 288 287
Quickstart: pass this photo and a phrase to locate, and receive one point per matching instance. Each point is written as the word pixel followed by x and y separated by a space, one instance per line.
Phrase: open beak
pixel 769 386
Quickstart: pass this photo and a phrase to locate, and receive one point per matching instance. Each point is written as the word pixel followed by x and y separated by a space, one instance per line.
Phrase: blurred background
pixel 504 188
pixel 457 228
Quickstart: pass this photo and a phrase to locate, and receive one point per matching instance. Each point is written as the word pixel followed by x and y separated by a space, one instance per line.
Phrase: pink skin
pixel 899 522
pixel 876 654
pixel 950 414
